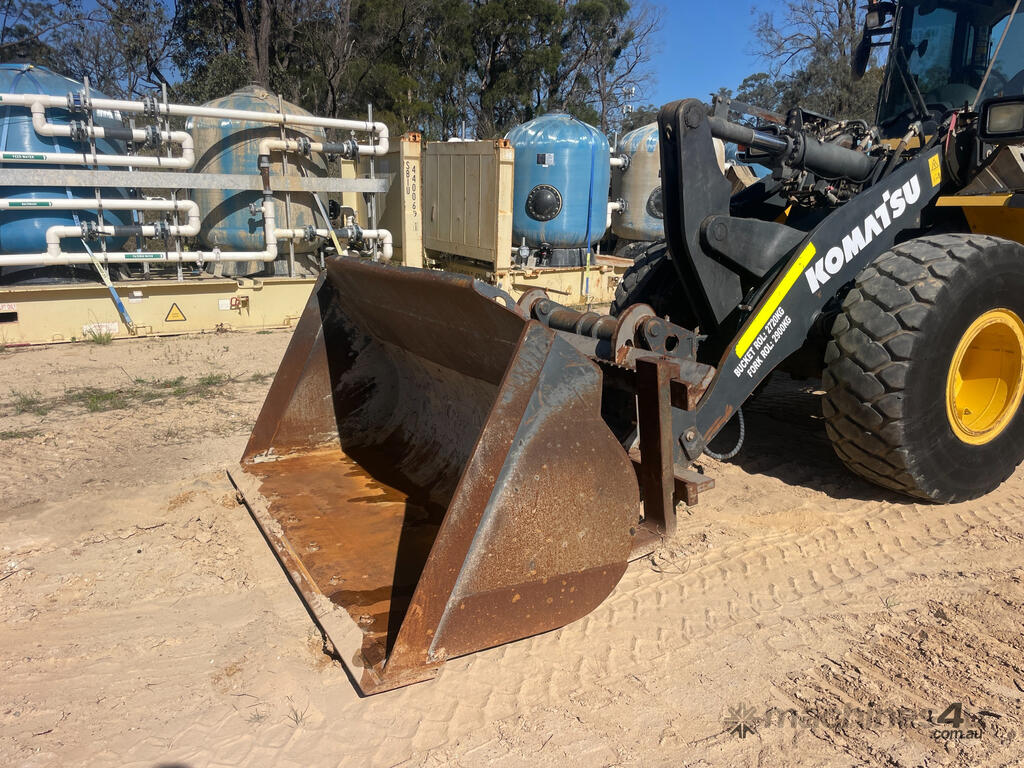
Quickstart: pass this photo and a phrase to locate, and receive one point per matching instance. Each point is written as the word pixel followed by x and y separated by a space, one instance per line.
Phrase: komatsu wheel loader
pixel 441 469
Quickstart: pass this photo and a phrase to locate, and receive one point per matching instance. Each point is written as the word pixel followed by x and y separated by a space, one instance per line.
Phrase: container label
pixel 29 204
pixel 546 159
pixel 8 307
pixel 158 256
pixel 22 156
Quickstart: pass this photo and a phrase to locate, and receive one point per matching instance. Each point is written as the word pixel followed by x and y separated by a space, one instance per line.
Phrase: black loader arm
pixel 718 257
pixel 845 242
pixel 694 188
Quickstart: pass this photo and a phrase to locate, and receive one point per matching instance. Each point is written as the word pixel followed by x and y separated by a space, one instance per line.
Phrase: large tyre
pixel 925 370
pixel 652 279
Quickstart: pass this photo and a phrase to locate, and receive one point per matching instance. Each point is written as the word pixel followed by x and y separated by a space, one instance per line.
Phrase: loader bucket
pixel 432 470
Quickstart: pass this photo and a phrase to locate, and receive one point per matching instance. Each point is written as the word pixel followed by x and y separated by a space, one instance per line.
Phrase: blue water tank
pixel 26 232
pixel 561 182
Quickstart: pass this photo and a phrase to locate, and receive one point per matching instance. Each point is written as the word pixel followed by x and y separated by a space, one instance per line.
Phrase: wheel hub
pixel 986 377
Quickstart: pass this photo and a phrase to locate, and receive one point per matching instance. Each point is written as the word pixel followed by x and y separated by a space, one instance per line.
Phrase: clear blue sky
pixel 701 47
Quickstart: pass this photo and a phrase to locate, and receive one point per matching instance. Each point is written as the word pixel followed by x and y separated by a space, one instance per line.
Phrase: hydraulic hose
pixel 739 441
pixel 803 151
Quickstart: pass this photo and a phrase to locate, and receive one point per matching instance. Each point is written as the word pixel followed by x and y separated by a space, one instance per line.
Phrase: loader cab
pixel 943 55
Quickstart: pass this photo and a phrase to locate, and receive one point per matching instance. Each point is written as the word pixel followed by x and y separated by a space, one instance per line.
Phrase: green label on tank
pixel 22 156
pixel 144 255
pixel 29 204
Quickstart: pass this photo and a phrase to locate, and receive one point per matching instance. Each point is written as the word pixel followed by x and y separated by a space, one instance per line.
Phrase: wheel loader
pixel 441 469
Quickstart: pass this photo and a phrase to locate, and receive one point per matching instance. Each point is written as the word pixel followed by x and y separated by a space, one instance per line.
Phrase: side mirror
pixel 861 55
pixel 879 13
pixel 1002 120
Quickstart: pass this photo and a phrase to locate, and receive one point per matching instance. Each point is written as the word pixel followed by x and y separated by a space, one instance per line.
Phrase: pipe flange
pixel 350 149
pixel 154 138
pixel 89 230
pixel 162 230
pixel 150 106
pixel 309 233
pixel 78 131
pixel 78 102
pixel 355 236
pixel 305 146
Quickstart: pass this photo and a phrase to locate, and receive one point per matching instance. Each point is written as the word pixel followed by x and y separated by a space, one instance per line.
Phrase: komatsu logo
pixel 894 204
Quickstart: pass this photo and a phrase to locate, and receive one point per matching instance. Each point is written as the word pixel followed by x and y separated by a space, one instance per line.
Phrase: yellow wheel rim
pixel 986 377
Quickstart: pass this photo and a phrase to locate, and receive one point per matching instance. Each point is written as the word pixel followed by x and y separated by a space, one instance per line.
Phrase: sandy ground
pixel 144 621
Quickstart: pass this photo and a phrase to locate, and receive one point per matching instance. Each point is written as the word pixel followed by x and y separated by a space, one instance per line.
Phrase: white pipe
pixel 294 145
pixel 183 110
pixel 55 233
pixel 618 161
pixel 55 257
pixel 90 203
pixel 60 258
pixel 613 206
pixel 131 257
pixel 384 237
pixel 182 138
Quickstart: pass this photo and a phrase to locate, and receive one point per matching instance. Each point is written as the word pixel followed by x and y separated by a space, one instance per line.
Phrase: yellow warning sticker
pixel 174 314
pixel 935 166
pixel 774 300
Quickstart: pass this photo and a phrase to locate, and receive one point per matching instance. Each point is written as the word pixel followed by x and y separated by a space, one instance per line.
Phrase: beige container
pixel 467 200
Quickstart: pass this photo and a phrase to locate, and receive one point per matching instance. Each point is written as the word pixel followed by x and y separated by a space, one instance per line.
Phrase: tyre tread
pixel 874 338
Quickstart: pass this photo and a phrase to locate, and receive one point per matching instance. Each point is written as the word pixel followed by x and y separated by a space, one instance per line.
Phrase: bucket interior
pixel 362 543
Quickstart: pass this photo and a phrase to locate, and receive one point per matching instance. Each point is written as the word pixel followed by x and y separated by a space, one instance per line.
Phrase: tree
pixel 808 49
pixel 122 46
pixel 606 48
pixel 32 31
pixel 124 51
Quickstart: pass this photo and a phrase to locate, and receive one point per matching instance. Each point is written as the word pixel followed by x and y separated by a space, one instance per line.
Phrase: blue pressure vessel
pixel 25 231
pixel 561 182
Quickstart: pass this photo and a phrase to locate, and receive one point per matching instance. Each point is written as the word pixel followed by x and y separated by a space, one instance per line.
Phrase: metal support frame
pixel 654 413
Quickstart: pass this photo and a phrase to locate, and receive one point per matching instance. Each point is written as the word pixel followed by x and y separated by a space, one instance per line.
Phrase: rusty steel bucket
pixel 433 472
